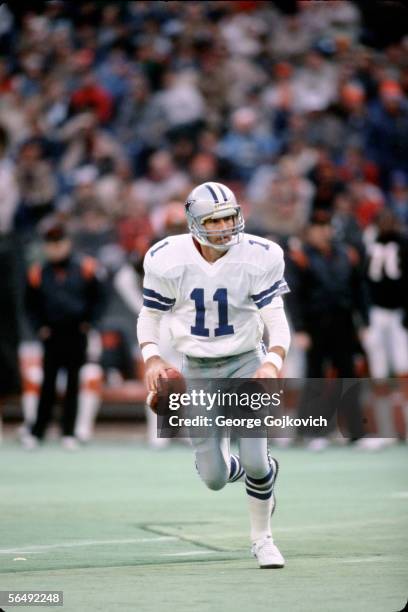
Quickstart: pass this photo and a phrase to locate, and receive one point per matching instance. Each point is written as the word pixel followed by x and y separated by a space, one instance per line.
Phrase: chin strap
pixel 197 245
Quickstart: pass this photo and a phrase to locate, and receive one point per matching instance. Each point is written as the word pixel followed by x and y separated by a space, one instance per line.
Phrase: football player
pixel 222 288
pixel 386 341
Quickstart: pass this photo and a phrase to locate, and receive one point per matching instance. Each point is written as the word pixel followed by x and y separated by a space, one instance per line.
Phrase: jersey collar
pixel 210 268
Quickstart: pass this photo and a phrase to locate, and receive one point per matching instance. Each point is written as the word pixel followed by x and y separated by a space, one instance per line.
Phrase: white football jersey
pixel 214 306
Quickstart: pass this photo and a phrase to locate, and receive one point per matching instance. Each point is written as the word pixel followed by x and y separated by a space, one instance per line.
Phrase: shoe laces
pixel 266 545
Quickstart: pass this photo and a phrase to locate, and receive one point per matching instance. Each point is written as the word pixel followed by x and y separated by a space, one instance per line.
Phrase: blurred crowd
pixel 109 111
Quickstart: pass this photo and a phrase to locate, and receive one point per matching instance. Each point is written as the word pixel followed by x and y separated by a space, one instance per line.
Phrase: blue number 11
pixel 199 329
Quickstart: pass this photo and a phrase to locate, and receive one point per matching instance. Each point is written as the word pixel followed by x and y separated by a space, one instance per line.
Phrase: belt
pixel 217 361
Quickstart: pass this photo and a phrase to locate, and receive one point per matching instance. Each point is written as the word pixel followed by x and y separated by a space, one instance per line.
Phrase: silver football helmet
pixel 213 201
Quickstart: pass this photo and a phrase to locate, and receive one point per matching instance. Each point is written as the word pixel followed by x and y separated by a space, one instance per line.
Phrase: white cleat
pixel 29 442
pixel 318 445
pixel 69 443
pixel 267 554
pixel 373 444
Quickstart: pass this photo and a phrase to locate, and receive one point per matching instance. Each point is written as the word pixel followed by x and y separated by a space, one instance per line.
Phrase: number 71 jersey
pixel 214 307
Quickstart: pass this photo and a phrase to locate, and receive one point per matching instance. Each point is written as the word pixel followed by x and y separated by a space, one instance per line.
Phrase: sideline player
pixel 222 287
pixel 386 341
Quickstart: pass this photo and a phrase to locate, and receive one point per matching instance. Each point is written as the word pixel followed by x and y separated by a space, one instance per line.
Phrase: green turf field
pixel 118 527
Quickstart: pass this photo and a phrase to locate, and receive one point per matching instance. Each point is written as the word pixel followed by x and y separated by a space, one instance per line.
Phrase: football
pixel 174 384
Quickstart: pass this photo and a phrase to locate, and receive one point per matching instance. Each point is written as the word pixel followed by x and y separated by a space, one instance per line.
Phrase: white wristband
pixel 150 350
pixel 274 359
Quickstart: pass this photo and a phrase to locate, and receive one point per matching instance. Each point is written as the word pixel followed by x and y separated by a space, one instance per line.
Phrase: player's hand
pixel 302 341
pixel 156 368
pixel 266 370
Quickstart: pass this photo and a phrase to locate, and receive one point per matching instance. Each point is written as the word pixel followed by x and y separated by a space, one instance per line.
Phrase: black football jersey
pixel 387 271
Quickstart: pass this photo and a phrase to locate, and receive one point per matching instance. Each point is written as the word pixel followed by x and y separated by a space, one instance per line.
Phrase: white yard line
pixel 301 528
pixel 341 525
pixel 190 553
pixel 376 559
pixel 400 495
pixel 41 548
pixel 44 547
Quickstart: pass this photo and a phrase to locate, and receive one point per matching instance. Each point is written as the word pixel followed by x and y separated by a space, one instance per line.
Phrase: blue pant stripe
pixel 237 476
pixel 262 487
pixel 263 496
pixel 236 469
pixel 260 481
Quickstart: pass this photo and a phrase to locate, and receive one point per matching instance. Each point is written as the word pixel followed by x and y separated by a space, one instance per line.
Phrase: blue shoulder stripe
pixel 259 296
pixel 283 288
pixel 156 305
pixel 157 296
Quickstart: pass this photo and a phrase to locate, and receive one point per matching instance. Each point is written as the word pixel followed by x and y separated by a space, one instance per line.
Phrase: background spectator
pixel 64 299
pixel 9 325
pixel 328 293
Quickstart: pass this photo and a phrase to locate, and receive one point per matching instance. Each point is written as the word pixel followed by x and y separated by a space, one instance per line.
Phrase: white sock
pixel 88 406
pixel 152 437
pixel 32 381
pixel 29 403
pixel 259 491
pixel 384 417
